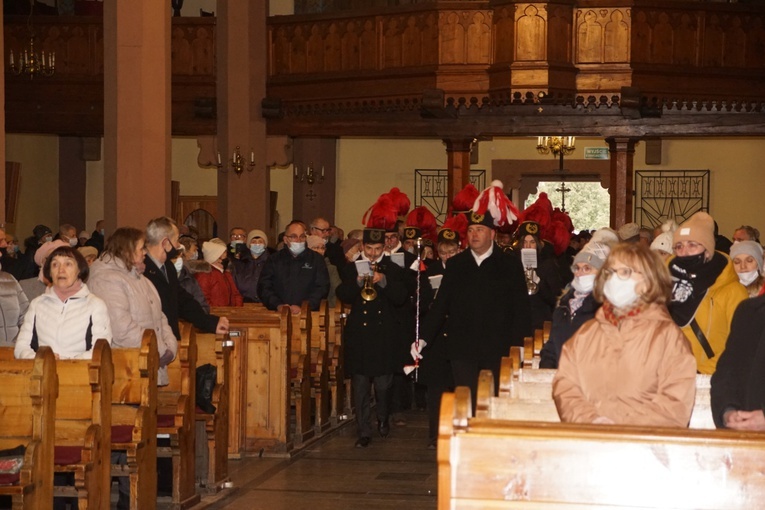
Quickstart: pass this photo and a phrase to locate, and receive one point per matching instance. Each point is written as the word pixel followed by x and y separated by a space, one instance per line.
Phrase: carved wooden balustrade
pixel 72 100
pixel 675 50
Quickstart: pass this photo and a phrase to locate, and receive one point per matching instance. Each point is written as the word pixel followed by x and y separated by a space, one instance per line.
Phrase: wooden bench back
pixel 181 373
pixel 135 380
pixel 526 394
pixel 489 463
pixel 28 391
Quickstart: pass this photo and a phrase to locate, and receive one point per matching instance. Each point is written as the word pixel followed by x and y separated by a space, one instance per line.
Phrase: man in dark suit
pixel 373 333
pixel 161 249
pixel 483 294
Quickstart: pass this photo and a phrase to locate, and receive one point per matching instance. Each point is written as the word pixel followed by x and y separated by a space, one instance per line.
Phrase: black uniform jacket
pixel 373 331
pixel 487 307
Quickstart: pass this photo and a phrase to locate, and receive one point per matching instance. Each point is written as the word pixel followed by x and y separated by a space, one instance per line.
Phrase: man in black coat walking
pixel 483 293
pixel 373 333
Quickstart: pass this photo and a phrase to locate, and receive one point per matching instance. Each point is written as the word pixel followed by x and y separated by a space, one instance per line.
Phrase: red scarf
pixel 616 316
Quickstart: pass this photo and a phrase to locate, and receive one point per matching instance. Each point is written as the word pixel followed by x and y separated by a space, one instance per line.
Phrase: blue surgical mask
pixel 257 249
pixel 297 248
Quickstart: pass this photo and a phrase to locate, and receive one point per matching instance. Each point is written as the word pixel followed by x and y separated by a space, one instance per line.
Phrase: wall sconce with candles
pixel 30 62
pixel 237 162
pixel 559 146
pixel 310 176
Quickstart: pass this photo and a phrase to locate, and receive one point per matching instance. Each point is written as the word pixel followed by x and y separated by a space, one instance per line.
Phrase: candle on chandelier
pixel 252 157
pixel 11 60
pixel 219 163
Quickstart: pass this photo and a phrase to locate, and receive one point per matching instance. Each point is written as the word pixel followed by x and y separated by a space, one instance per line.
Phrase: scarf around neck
pixel 690 286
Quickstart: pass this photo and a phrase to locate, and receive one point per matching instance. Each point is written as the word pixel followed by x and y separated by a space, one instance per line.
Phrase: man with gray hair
pixel 68 234
pixel 162 248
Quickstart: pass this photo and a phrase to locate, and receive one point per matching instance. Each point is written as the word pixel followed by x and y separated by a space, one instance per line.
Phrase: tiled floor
pixel 394 473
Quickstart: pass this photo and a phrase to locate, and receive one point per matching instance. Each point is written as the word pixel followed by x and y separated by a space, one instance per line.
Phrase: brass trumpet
pixel 531 285
pixel 368 291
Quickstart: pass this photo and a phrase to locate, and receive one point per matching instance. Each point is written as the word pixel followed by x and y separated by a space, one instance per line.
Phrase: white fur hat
pixel 212 250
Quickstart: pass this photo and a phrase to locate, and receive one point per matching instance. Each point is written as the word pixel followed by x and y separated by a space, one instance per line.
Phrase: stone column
pixel 72 182
pixel 622 151
pixel 458 155
pixel 243 200
pixel 136 112
pixel 3 219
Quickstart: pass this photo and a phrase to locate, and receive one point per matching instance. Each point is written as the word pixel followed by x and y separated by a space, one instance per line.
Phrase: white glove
pixel 416 349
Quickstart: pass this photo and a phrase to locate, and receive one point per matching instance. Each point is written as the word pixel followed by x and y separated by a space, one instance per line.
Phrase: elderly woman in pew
pixel 738 384
pixel 67 317
pixel 577 305
pixel 133 302
pixel 631 364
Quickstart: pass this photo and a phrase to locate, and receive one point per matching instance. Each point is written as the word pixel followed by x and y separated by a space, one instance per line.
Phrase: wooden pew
pixel 320 367
pixel 339 386
pixel 83 425
pixel 526 394
pixel 216 350
pixel 300 365
pixel 176 419
pixel 502 464
pixel 134 419
pixel 259 395
pixel 28 407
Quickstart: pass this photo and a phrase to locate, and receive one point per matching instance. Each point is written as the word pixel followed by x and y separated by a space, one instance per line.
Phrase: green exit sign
pixel 596 153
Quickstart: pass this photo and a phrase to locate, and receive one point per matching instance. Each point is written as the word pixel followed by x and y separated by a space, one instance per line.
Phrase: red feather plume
pixel 382 214
pixel 493 201
pixel 459 224
pixel 464 200
pixel 559 235
pixel 540 212
pixel 422 218
pixel 400 201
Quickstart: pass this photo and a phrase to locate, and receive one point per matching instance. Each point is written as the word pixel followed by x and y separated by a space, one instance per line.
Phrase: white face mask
pixel 748 277
pixel 178 264
pixel 297 248
pixel 584 283
pixel 235 243
pixel 73 242
pixel 620 293
pixel 194 256
pixel 257 249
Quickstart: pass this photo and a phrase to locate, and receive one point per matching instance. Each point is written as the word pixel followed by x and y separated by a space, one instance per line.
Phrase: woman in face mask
pixel 577 305
pixel 705 290
pixel 631 364
pixel 747 261
pixel 247 268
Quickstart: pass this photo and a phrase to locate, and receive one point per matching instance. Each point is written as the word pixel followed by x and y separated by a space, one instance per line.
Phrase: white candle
pixel 252 156
pixel 219 163
pixel 11 61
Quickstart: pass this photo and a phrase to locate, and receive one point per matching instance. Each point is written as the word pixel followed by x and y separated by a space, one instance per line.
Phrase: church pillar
pixel 317 198
pixel 243 199
pixel 622 151
pixel 72 182
pixel 136 112
pixel 458 166
pixel 3 219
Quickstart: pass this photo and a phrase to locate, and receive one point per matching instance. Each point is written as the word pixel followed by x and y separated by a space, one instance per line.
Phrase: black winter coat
pixel 246 272
pixel 177 303
pixel 288 280
pixel 739 380
pixel 487 306
pixel 373 331
pixel 435 369
pixel 564 325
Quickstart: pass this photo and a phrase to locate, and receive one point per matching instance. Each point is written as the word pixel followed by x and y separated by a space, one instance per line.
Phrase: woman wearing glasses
pixel 577 305
pixel 705 292
pixel 631 364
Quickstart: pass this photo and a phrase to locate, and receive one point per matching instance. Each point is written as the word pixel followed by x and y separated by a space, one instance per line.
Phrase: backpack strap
pixel 702 338
pixel 35 344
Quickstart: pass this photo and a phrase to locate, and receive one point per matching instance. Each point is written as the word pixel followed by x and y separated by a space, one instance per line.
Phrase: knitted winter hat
pixel 256 233
pixel 699 228
pixel 605 235
pixel 747 248
pixel 594 254
pixel 629 232
pixel 212 250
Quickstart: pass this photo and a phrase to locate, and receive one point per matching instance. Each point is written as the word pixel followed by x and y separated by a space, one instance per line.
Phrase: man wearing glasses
pixel 294 274
pixel 321 227
pixel 705 290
